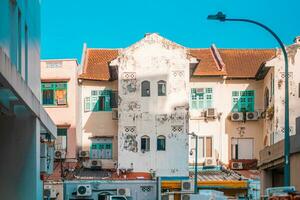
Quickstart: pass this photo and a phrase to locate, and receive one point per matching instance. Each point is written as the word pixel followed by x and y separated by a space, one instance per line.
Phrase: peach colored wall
pixel 97 123
pixel 64 115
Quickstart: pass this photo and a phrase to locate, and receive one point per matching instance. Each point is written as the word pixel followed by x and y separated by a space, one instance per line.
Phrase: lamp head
pixel 219 16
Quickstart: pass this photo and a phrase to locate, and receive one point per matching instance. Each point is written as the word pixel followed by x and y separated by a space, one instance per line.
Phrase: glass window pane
pixel 161 87
pixel 235 93
pixel 61 97
pixel 48 97
pixel 161 143
pixel 194 105
pixel 145 89
pixel 208 90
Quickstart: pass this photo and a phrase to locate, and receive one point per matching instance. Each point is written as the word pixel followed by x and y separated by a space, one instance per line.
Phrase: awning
pixel 223 184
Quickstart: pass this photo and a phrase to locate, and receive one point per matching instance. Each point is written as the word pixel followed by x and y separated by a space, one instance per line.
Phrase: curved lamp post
pixel 196 162
pixel 222 17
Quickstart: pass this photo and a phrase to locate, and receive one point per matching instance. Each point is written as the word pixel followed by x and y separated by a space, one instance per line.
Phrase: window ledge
pixel 55 106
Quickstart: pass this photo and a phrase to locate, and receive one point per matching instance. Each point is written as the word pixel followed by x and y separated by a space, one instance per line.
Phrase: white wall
pixel 98 123
pixel 154 58
pixel 277 68
pixel 222 129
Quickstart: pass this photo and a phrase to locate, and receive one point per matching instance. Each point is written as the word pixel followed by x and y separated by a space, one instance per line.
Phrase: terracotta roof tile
pixel 239 63
pixel 96 64
pixel 245 63
pixel 207 65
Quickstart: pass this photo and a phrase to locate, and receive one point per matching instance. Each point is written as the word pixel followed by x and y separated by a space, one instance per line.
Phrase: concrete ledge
pixel 13 81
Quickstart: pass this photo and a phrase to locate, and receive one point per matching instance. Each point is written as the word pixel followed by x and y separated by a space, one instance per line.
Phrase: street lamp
pixel 196 163
pixel 222 17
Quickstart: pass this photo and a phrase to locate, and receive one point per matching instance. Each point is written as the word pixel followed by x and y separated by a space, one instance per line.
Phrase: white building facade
pixel 153 91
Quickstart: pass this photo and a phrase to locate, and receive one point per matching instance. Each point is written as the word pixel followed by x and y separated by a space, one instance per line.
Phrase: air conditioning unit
pixel 84 154
pixel 187 186
pixel 60 154
pixel 84 190
pixel 95 164
pixel 200 90
pixel 210 162
pixel 123 192
pixel 185 196
pixel 251 116
pixel 49 192
pixel 61 102
pixel 167 197
pixel 237 116
pixel 115 114
pixel 211 113
pixel 236 165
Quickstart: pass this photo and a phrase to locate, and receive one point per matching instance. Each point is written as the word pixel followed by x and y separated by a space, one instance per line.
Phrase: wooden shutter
pixel 87 104
pixel 114 99
pixel 101 103
pixel 208 146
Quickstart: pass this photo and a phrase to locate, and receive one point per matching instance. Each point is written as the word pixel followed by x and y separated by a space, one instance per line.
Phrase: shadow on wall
pixel 244 124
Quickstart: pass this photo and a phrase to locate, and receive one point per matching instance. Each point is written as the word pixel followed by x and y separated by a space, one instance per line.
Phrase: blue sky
pixel 67 24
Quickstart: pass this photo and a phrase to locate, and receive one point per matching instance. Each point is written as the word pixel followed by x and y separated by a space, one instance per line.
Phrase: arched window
pixel 162 88
pixel 145 89
pixel 161 143
pixel 145 143
pixel 266 98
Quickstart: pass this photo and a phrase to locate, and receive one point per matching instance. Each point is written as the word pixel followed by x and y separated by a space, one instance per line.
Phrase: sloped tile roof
pixel 238 63
pixel 207 65
pixel 96 64
pixel 245 63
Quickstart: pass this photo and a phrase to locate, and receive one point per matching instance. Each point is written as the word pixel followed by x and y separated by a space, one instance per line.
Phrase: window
pixel 243 101
pixel 266 98
pixel 100 100
pixel 26 53
pixel 19 65
pixel 61 140
pixel 54 93
pixel 101 103
pixel 299 90
pixel 242 148
pixel 162 88
pixel 145 143
pixel 201 98
pixel 101 148
pixel 205 147
pixel 272 85
pixel 161 143
pixel 145 89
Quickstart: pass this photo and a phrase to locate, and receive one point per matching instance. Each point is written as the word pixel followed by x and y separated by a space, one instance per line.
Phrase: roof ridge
pixel 247 48
pixel 103 48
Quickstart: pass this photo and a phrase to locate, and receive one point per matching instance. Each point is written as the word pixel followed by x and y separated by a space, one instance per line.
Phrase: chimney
pixel 297 40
